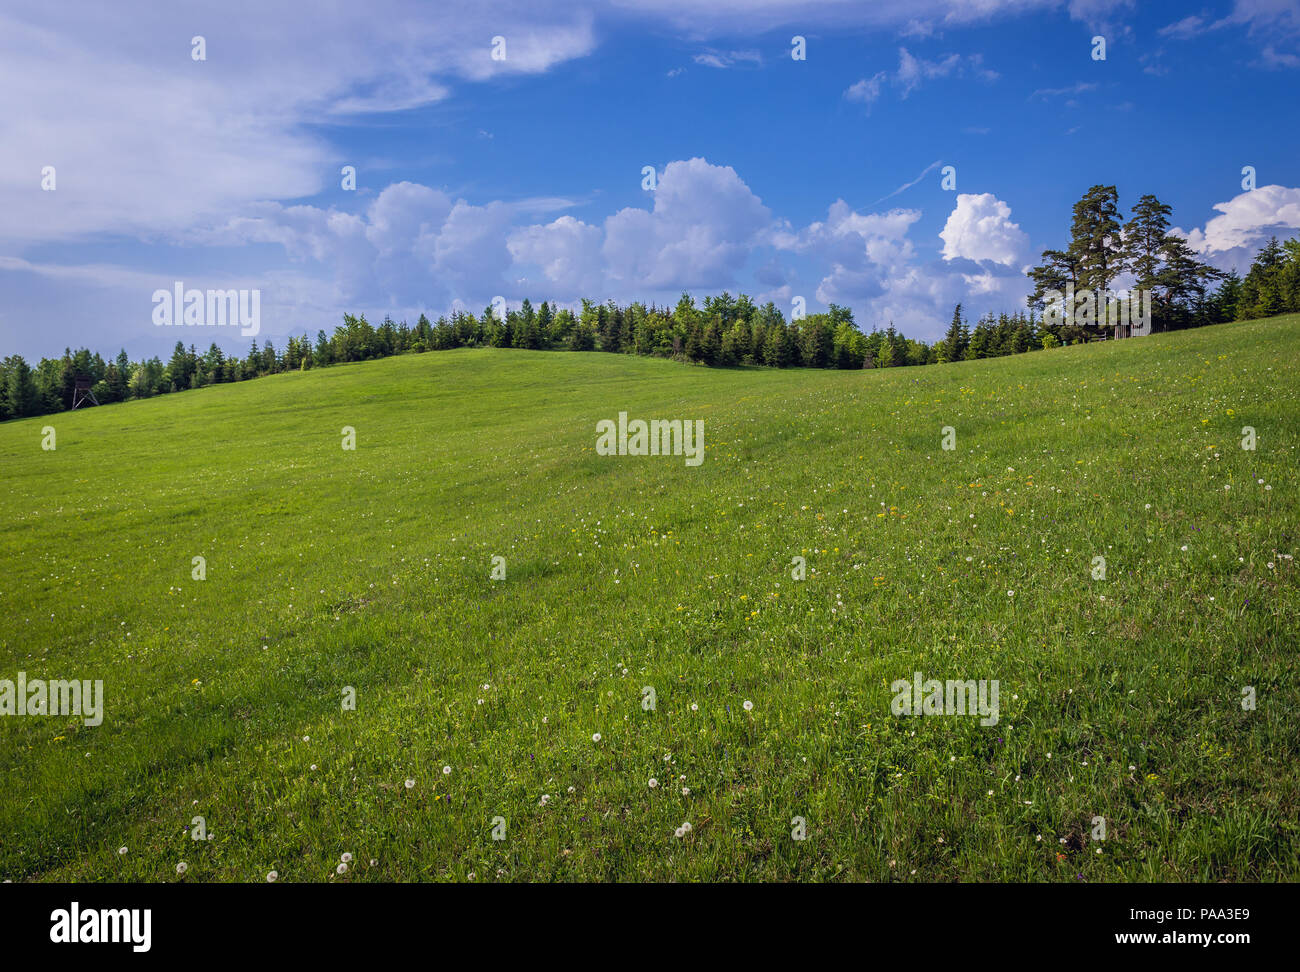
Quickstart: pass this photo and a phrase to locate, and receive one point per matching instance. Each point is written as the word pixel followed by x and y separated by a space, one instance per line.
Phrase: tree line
pixel 1103 245
pixel 726 330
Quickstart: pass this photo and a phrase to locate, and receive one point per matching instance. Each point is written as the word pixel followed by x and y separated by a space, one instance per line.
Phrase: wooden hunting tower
pixel 83 392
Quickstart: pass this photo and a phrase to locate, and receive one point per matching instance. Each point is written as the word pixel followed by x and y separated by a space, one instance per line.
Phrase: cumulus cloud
pixel 980 229
pixel 1230 239
pixel 413 244
pixel 416 246
pixel 863 251
pixel 568 253
pixel 873 265
pixel 699 233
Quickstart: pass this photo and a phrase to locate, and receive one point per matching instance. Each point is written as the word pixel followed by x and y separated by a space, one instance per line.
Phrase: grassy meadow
pixel 371 569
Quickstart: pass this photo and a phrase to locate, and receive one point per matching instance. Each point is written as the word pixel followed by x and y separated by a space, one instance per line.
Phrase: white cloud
pixel 914 18
pixel 912 71
pixel 867 90
pixel 704 222
pixel 1273 23
pixel 1079 87
pixel 470 254
pixel 568 252
pixel 406 217
pixel 1097 13
pixel 726 59
pixel 908 185
pixel 979 228
pixel 1245 221
pixel 1189 26
pixel 414 245
pixel 147 142
pixel 872 264
pixel 1265 17
pixel 863 251
pixel 1272 57
pixel 415 248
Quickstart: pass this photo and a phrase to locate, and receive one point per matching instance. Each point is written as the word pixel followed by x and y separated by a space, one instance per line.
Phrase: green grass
pixel 325 569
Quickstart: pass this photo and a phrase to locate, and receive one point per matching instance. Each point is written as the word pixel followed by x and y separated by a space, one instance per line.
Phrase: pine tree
pixel 544 321
pixel 20 395
pixel 1164 265
pixel 1095 238
pixel 1143 239
pixel 1182 281
pixel 957 339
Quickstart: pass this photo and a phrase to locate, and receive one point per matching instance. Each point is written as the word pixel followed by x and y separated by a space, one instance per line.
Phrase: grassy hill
pixel 371 569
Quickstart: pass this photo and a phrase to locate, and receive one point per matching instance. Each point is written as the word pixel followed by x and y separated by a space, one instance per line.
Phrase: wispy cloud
pixel 161 142
pixel 1183 29
pixel 725 59
pixel 1274 22
pixel 867 90
pixel 912 71
pixel 1069 91
pixel 908 185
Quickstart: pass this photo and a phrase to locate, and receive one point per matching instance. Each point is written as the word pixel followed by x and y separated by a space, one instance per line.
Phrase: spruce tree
pixel 957 339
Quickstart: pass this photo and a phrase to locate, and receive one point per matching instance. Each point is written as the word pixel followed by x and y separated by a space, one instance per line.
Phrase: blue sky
pixel 477 177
